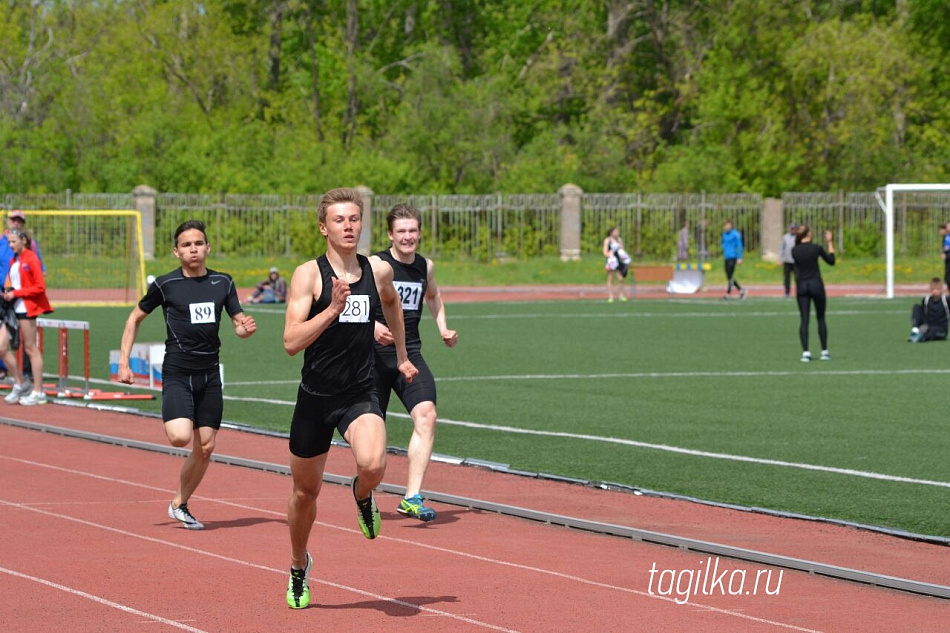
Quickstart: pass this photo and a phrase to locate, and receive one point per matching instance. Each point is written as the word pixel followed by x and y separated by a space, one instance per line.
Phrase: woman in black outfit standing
pixel 810 286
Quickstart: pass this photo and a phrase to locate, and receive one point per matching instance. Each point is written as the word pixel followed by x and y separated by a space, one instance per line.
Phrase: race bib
pixel 410 294
pixel 202 312
pixel 356 310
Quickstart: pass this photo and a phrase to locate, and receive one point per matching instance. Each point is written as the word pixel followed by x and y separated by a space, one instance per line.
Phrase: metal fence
pixel 519 226
pixel 649 223
pixel 479 227
pixel 859 224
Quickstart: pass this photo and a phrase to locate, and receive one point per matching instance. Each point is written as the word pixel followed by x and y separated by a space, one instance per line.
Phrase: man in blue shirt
pixel 732 253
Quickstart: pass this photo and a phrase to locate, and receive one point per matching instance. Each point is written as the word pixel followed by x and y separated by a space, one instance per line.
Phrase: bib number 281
pixel 356 310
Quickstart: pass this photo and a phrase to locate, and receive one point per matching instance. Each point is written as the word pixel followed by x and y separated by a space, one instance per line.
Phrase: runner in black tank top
pixel 330 315
pixel 414 279
pixel 810 287
pixel 192 299
pixel 341 360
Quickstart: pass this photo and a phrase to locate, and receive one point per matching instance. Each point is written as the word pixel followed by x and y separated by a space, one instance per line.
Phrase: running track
pixel 87 546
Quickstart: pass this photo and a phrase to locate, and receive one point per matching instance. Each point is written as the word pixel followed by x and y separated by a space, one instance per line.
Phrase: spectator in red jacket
pixel 26 291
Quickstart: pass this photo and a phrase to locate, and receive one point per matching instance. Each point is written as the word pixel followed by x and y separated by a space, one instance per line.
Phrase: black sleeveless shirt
pixel 340 361
pixel 411 282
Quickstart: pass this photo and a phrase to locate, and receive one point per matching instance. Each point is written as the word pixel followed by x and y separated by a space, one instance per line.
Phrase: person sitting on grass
pixel 929 319
pixel 271 290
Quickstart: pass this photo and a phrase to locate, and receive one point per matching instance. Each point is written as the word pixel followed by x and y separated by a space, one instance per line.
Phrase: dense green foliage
pixel 460 96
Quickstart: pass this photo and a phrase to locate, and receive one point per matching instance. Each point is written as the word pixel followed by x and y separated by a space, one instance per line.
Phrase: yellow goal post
pixel 90 257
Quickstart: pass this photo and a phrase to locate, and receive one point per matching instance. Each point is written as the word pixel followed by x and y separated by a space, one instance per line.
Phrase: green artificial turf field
pixel 695 397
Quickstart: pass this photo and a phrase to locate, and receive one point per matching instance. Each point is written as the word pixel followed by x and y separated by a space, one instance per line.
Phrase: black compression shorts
pixel 315 417
pixel 388 379
pixel 197 397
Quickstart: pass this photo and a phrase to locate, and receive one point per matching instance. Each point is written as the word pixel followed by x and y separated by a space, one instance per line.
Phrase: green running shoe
pixel 298 589
pixel 414 507
pixel 368 513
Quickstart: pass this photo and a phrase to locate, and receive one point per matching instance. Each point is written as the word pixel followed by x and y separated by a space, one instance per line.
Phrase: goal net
pixel 90 257
pixel 895 198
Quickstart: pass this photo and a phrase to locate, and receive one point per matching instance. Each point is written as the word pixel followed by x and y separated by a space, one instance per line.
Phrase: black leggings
pixel 788 277
pixel 806 294
pixel 730 271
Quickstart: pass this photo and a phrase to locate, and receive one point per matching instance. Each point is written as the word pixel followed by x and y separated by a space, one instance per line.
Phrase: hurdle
pixel 63 390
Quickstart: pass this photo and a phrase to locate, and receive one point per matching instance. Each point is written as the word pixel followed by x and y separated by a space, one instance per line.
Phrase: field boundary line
pixel 692 452
pixel 652 446
pixel 662 315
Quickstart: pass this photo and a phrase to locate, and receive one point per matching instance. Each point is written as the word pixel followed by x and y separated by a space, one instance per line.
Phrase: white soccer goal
pixel 887 204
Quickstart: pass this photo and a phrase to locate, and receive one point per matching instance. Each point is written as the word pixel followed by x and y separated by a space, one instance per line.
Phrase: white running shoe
pixel 33 399
pixel 18 390
pixel 806 357
pixel 181 513
pixel 825 355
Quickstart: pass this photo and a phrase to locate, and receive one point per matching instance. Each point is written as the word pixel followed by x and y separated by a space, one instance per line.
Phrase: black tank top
pixel 411 282
pixel 340 361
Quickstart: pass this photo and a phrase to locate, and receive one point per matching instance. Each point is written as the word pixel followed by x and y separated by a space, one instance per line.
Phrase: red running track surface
pixel 87 546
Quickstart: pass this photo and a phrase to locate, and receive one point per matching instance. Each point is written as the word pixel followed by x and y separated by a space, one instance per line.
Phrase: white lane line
pixel 444 550
pixel 692 452
pixel 665 447
pixel 103 601
pixel 663 315
pixel 699 374
pixel 245 563
pixel 645 374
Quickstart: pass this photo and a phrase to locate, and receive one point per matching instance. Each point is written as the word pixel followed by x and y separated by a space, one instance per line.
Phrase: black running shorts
pixel 388 378
pixel 315 417
pixel 197 397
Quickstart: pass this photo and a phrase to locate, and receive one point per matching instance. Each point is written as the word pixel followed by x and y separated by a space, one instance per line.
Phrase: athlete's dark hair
pixel 337 196
pixel 188 225
pixel 611 230
pixel 402 212
pixel 803 232
pixel 936 281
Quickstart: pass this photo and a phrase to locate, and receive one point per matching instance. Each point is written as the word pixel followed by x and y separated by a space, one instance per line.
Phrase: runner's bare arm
pixel 128 340
pixel 392 310
pixel 437 307
pixel 306 284
pixel 380 331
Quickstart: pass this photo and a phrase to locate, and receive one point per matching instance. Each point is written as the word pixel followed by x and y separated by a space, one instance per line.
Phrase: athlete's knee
pixel 424 418
pixel 178 439
pixel 179 432
pixel 372 470
pixel 304 493
pixel 205 449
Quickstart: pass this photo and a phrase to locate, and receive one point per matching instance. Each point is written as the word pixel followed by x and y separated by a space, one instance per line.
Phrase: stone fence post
pixel 772 227
pixel 365 245
pixel 144 202
pixel 570 222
